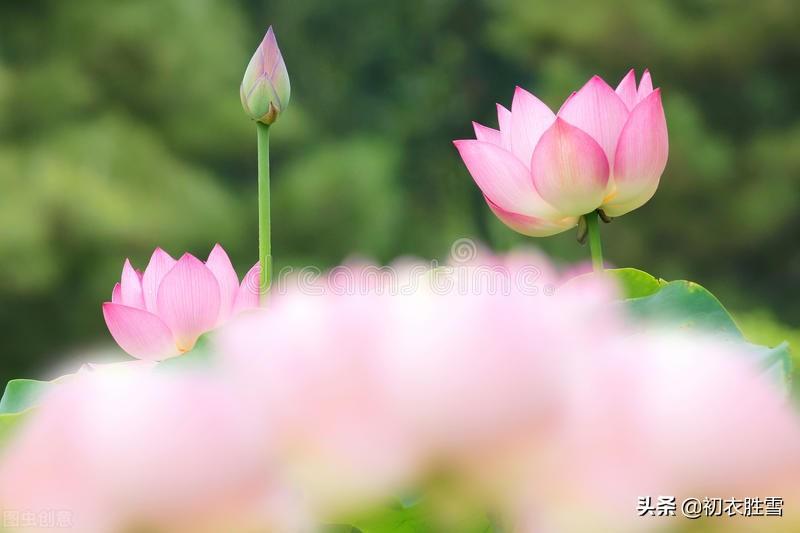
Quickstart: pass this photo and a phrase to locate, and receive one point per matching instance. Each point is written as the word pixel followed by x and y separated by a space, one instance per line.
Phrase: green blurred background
pixel 121 130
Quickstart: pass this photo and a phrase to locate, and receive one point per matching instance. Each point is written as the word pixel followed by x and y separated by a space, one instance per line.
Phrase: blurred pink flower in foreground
pixel 161 313
pixel 547 407
pixel 604 149
pixel 338 432
pixel 145 451
pixel 526 399
pixel 652 415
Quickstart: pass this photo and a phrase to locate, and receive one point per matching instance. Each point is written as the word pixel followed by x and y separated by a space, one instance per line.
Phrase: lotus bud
pixel 265 88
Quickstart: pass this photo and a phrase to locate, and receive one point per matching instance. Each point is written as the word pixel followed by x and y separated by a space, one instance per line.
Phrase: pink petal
pixel 485 134
pixel 641 156
pixel 531 226
pixel 160 263
pixel 138 332
pixel 627 89
pixel 131 287
pixel 599 111
pixel 188 300
pixel 645 87
pixel 247 295
pixel 503 179
pixel 530 117
pixel 270 53
pixel 220 265
pixel 504 123
pixel 570 97
pixel 569 169
pixel 116 294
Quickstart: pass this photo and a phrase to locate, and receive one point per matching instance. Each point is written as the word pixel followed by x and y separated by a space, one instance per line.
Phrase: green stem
pixel 264 236
pixel 595 246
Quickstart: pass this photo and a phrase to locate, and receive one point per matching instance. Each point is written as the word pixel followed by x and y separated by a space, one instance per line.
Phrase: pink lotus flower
pixel 161 313
pixel 265 89
pixel 551 406
pixel 118 450
pixel 547 408
pixel 660 414
pixel 541 171
pixel 322 394
pixel 367 387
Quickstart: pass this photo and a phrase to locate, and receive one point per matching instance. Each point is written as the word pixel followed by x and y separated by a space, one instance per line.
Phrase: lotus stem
pixel 595 245
pixel 264 222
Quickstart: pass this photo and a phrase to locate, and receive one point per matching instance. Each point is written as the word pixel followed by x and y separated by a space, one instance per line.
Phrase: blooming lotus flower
pixel 265 88
pixel 161 313
pixel 604 149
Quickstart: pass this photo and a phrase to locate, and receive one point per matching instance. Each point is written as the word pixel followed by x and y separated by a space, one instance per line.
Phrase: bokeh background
pixel 121 130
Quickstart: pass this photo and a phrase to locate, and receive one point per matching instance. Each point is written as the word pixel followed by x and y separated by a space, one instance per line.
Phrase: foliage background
pixel 121 130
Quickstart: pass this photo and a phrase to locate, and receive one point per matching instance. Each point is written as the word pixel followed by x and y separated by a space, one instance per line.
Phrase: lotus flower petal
pixel 569 169
pixel 645 87
pixel 530 117
pixel 131 287
pixel 627 89
pixel 570 97
pixel 220 265
pixel 503 179
pixel 138 332
pixel 189 300
pixel 504 123
pixel 248 294
pixel 641 156
pixel 531 226
pixel 486 134
pixel 599 111
pixel 116 294
pixel 160 263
